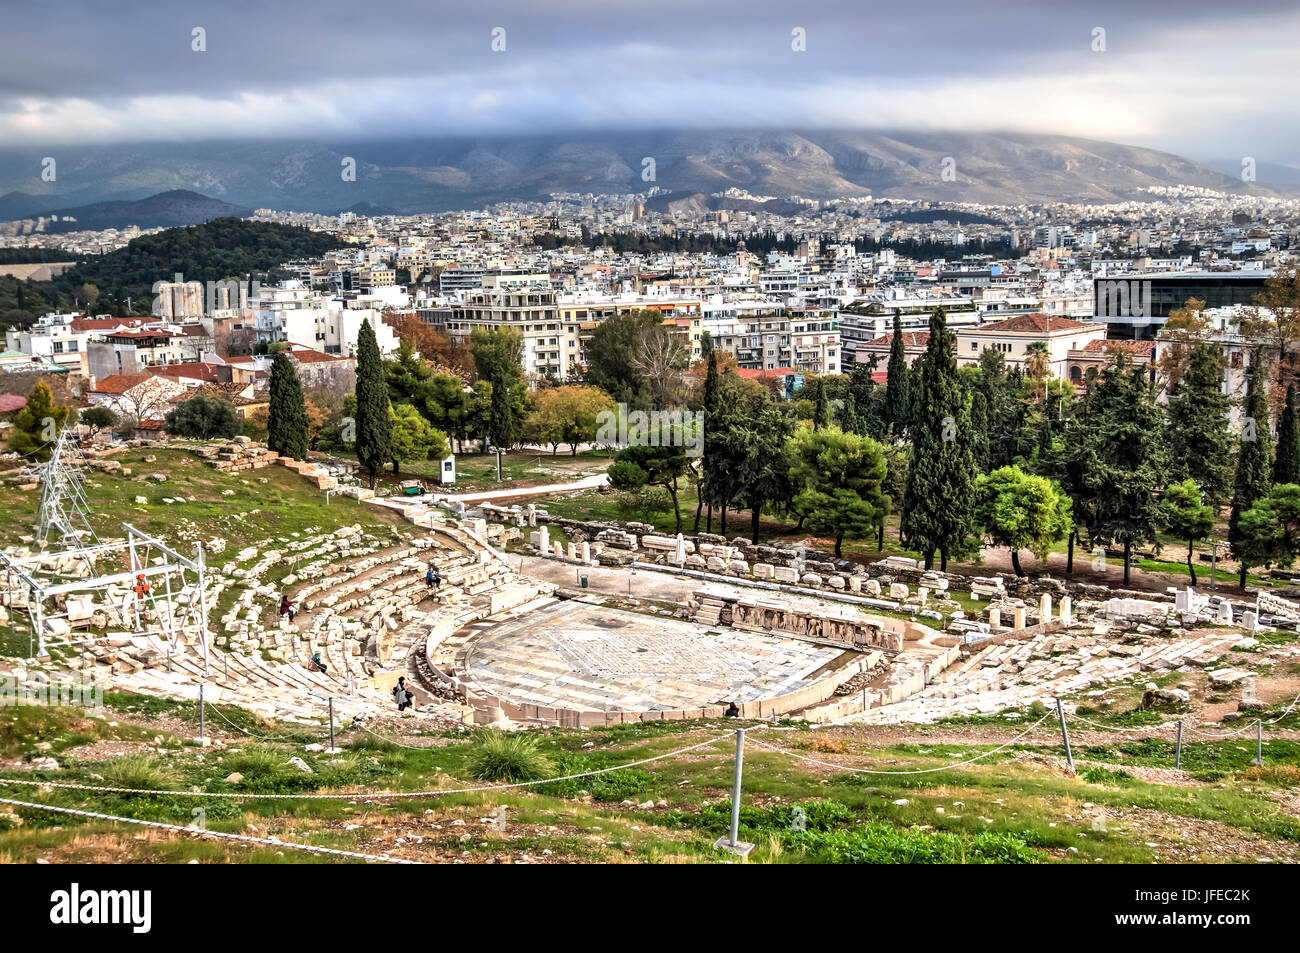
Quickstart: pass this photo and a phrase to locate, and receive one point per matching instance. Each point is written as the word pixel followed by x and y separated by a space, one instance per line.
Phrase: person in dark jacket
pixel 733 711
pixel 286 608
pixel 402 695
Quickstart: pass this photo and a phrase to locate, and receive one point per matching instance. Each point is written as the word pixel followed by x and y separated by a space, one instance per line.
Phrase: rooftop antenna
pixel 63 508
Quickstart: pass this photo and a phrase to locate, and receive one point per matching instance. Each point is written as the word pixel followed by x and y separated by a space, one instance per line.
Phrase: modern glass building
pixel 1135 306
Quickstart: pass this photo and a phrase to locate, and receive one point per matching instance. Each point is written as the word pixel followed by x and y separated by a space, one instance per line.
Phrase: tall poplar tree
pixel 712 458
pixel 897 399
pixel 1254 457
pixel 1286 468
pixel 286 420
pixel 939 501
pixel 373 424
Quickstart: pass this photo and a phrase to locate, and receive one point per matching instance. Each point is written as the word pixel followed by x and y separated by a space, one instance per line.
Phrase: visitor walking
pixel 402 695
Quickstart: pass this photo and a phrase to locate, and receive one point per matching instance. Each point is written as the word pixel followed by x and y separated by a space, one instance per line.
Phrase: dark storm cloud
pixel 96 70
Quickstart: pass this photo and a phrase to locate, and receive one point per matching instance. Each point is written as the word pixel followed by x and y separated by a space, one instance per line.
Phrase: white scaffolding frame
pixel 153 612
pixel 63 508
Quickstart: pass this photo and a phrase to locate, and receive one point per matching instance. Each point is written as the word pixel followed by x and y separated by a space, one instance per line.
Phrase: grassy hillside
pixel 216 250
pixel 1017 807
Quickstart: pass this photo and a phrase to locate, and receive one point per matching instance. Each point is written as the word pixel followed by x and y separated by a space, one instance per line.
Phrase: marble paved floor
pixel 575 655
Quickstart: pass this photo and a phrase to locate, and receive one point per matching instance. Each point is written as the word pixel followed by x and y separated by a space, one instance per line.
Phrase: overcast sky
pixel 1203 79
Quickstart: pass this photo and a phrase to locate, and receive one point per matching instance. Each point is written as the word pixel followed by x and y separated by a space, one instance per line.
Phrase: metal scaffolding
pixel 160 593
pixel 63 509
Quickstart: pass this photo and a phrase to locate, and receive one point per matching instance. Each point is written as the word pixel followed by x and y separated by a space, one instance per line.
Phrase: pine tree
pixel 896 384
pixel 1254 457
pixel 1286 468
pixel 286 421
pixel 938 504
pixel 1200 444
pixel 373 426
pixel 36 427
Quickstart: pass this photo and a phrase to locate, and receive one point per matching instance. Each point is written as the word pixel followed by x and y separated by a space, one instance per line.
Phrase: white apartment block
pixel 301 316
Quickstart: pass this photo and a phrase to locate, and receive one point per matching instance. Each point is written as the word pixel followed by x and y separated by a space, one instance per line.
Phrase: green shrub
pixel 628 783
pixel 256 762
pixel 880 843
pixel 140 771
pixel 500 756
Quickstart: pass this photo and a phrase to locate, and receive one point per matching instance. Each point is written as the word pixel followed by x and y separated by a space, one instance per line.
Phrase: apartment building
pixel 774 339
pixel 1014 336
pixel 294 313
pixel 533 313
pixel 131 350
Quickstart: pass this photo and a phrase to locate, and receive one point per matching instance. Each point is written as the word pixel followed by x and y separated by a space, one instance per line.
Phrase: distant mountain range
pixel 429 175
pixel 164 210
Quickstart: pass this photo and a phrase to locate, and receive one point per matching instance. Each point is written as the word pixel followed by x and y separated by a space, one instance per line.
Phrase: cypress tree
pixel 939 500
pixel 849 420
pixel 286 422
pixel 712 431
pixel 1286 468
pixel 821 410
pixel 1200 444
pixel 979 422
pixel 1254 457
pixel 896 385
pixel 373 426
pixel 1118 458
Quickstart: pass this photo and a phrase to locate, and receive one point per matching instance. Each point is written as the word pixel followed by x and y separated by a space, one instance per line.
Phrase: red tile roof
pixel 757 374
pixel 307 355
pixel 1136 348
pixel 119 383
pixel 1036 323
pixel 910 339
pixel 191 370
pixel 107 324
pixel 137 335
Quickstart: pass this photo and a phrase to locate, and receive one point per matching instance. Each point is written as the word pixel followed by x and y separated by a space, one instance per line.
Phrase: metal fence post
pixel 1178 747
pixel 1065 736
pixel 732 843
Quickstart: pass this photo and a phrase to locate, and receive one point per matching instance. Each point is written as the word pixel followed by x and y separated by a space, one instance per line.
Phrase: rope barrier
pixel 946 767
pixel 251 734
pixel 1077 717
pixel 1232 734
pixel 243 838
pixel 1285 713
pixel 363 795
pixel 360 725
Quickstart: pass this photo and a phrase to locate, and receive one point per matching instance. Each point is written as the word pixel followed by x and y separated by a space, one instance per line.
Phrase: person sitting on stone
pixel 402 695
pixel 320 666
pixel 733 711
pixel 286 608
